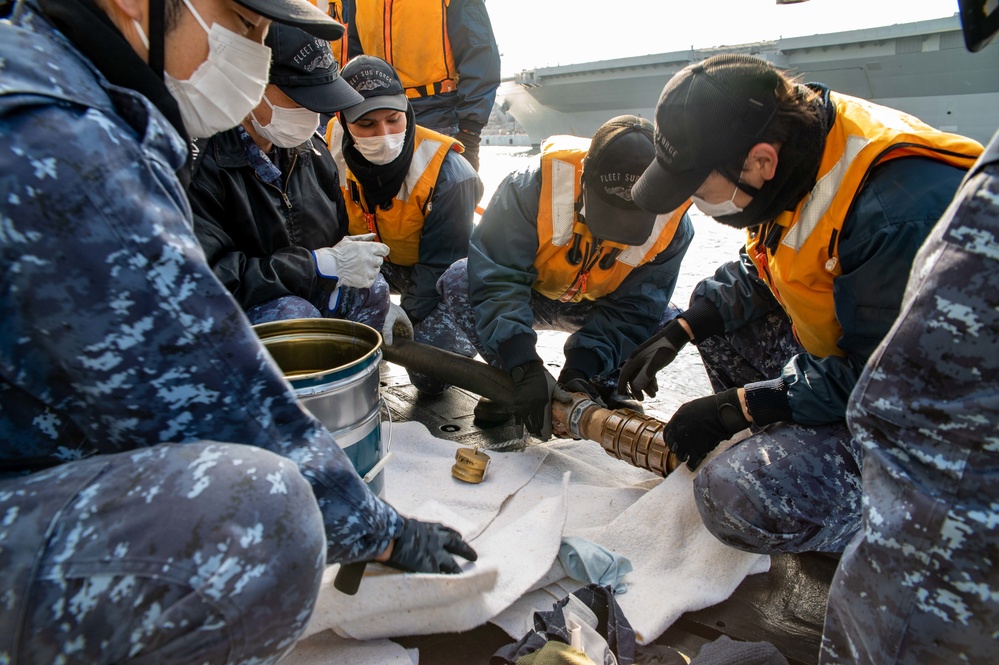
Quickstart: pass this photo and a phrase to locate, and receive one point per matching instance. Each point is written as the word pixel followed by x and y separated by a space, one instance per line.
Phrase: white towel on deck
pixel 515 520
pixel 678 565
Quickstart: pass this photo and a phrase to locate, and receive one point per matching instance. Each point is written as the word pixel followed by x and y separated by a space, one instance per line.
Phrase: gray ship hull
pixel 921 68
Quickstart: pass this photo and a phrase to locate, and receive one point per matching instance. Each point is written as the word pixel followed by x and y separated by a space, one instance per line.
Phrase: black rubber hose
pixel 448 367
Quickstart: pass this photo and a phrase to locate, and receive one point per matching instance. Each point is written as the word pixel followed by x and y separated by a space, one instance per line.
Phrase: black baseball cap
pixel 304 68
pixel 708 114
pixel 619 153
pixel 378 83
pixel 299 13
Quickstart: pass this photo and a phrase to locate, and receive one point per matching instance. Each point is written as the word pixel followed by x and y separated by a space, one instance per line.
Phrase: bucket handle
pixel 377 468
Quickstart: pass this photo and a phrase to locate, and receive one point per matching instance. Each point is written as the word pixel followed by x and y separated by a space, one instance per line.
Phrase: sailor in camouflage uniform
pixel 126 531
pixel 836 195
pixel 920 583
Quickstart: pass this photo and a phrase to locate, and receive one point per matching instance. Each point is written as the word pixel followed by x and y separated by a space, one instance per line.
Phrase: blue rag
pixel 586 561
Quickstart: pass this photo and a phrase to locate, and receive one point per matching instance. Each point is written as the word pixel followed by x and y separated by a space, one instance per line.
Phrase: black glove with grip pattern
pixel 429 547
pixel 639 372
pixel 532 398
pixel 700 425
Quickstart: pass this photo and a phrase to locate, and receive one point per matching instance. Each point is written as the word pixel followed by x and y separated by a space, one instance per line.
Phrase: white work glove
pixel 355 260
pixel 396 321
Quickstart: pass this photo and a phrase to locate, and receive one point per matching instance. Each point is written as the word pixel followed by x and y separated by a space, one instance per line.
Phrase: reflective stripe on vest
pixel 801 271
pixel 412 37
pixel 561 173
pixel 401 226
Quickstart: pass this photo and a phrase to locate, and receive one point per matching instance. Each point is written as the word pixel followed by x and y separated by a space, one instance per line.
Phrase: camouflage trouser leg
pixel 438 329
pixel 196 553
pixel 755 352
pixel 788 487
pixel 281 309
pixel 368 306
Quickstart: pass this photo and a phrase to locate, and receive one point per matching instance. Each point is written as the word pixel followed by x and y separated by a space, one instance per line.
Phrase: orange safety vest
pixel 401 226
pixel 335 9
pixel 801 271
pixel 412 37
pixel 558 279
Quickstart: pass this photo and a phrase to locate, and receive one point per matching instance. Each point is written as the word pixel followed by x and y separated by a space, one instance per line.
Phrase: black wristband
pixel 767 401
pixel 704 320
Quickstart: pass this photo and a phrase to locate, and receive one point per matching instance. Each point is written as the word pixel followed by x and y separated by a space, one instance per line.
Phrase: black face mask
pixel 797 166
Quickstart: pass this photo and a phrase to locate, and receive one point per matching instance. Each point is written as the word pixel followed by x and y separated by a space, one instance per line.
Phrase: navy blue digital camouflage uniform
pixel 117 344
pixel 920 583
pixel 794 485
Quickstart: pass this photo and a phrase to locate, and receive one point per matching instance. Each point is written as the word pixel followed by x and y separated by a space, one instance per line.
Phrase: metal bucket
pixel 333 367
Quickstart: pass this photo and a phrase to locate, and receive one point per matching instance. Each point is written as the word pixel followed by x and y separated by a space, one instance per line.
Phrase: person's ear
pixel 132 9
pixel 763 160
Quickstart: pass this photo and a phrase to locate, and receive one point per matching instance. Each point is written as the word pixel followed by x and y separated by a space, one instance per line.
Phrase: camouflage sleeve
pixel 114 322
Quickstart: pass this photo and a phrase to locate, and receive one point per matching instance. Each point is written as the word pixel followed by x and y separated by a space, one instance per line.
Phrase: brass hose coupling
pixel 470 465
pixel 623 434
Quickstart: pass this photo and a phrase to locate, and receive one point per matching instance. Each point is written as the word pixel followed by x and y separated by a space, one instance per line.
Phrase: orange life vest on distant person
pixel 401 226
pixel 558 279
pixel 802 269
pixel 335 9
pixel 412 37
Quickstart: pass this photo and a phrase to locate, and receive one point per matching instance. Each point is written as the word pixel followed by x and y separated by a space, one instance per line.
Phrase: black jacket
pixel 258 236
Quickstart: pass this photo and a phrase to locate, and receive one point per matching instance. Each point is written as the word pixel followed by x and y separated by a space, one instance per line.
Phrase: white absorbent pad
pixel 678 566
pixel 514 523
pixel 515 520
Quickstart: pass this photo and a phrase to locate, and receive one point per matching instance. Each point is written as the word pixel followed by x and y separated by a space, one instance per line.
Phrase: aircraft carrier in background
pixel 921 68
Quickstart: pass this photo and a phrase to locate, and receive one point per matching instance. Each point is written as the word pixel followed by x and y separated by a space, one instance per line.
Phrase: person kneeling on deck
pixel 268 208
pixel 165 497
pixel 836 195
pixel 563 247
pixel 410 187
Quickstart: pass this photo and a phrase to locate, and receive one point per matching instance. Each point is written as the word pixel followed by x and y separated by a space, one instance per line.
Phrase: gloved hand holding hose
pixel 639 372
pixel 532 400
pixel 701 424
pixel 355 260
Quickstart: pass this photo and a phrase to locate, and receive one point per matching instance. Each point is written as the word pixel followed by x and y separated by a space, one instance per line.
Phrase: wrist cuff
pixel 704 320
pixel 518 350
pixel 584 361
pixel 767 401
pixel 470 127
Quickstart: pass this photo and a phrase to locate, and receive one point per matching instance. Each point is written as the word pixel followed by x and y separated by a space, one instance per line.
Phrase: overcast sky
pixel 538 33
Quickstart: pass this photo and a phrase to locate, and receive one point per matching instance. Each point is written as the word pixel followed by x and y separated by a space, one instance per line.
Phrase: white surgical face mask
pixel 288 128
pixel 717 209
pixel 226 86
pixel 380 149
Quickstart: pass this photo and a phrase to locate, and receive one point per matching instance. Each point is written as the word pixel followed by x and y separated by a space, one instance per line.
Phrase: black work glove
pixel 639 372
pixel 532 398
pixel 700 425
pixel 427 547
pixel 575 381
pixel 470 140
